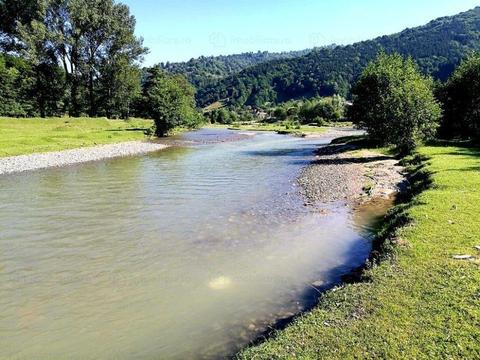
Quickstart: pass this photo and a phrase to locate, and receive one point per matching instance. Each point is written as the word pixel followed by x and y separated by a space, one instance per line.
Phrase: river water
pixel 186 253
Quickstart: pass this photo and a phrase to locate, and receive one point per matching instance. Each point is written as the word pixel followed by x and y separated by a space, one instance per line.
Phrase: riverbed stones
pixel 18 164
pixel 342 173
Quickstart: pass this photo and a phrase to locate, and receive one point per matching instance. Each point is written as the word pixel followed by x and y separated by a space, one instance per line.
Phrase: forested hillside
pixel 205 70
pixel 437 47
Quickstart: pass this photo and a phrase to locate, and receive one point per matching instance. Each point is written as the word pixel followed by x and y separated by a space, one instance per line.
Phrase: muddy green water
pixel 186 253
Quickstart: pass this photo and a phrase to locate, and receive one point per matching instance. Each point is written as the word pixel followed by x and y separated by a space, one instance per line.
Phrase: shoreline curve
pixel 38 161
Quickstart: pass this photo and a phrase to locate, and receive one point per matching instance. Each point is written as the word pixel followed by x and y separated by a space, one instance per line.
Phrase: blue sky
pixel 177 30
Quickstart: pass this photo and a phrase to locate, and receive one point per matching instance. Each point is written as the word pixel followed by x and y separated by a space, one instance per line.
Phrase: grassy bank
pixel 420 302
pixel 26 136
pixel 302 130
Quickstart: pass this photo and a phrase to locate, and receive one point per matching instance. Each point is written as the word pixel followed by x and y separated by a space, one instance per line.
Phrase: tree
pixel 170 101
pixel 17 87
pixel 91 39
pixel 461 100
pixel 107 41
pixel 119 88
pixel 12 13
pixel 280 114
pixel 395 103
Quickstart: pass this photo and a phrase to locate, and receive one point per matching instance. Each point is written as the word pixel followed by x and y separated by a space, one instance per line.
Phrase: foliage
pixel 319 110
pixel 15 86
pixel 231 116
pixel 461 101
pixel 170 101
pixel 205 70
pixel 86 48
pixel 437 48
pixel 222 116
pixel 395 103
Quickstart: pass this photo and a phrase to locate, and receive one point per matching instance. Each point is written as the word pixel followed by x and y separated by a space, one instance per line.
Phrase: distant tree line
pixel 437 48
pixel 206 70
pixel 316 111
pixel 79 57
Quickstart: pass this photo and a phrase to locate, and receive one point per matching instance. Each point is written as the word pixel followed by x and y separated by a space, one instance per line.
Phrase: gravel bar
pixel 341 173
pixel 22 163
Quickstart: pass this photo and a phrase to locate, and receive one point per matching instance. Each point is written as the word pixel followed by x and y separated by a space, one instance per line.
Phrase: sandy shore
pixel 16 164
pixel 344 173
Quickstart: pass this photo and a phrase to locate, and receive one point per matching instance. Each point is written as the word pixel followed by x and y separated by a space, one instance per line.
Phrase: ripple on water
pixel 179 253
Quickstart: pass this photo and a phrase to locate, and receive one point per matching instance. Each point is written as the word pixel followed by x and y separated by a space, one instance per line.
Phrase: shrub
pixel 395 104
pixel 461 101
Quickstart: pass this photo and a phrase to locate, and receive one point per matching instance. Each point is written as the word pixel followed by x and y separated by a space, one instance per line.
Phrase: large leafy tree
pixel 394 103
pixel 119 88
pixel 107 42
pixel 170 101
pixel 90 39
pixel 12 13
pixel 461 99
pixel 15 87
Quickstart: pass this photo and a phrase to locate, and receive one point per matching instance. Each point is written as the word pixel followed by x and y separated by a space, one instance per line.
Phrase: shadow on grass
pixel 129 130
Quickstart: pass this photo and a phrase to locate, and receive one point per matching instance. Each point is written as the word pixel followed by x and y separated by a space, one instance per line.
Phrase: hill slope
pixel 437 47
pixel 206 70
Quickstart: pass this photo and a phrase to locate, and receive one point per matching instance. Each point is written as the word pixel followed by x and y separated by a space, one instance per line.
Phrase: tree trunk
pixel 92 112
pixel 41 95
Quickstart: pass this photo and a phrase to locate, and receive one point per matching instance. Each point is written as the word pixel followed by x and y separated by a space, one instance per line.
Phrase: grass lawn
pixel 421 303
pixel 26 136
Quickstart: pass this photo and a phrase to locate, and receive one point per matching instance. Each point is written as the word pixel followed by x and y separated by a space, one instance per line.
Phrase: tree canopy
pixel 395 103
pixel 461 99
pixel 169 100
pixel 88 45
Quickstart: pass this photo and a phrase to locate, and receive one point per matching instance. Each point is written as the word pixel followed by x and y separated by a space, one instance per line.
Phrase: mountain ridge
pixel 437 47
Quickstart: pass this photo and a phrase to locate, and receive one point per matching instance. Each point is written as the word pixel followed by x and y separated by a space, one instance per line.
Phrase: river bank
pixel 22 163
pixel 33 136
pixel 35 160
pixel 342 172
pixel 420 297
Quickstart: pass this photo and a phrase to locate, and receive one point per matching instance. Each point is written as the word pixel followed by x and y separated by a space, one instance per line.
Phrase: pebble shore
pixel 22 163
pixel 339 173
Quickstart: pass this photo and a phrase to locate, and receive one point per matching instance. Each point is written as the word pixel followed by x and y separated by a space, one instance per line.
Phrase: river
pixel 186 253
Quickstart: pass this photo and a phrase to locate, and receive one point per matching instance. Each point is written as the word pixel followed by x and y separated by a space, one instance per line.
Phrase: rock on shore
pixel 23 163
pixel 341 173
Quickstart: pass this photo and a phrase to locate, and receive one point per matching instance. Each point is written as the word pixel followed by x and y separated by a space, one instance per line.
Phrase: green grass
pixel 303 130
pixel 26 136
pixel 419 303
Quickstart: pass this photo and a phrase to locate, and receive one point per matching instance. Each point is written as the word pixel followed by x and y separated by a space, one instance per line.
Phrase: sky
pixel 178 30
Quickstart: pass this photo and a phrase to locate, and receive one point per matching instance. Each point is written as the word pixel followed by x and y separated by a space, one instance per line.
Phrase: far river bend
pixel 186 253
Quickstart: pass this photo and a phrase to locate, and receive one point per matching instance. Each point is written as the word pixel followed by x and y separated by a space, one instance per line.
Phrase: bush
pixel 461 101
pixel 395 103
pixel 170 101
